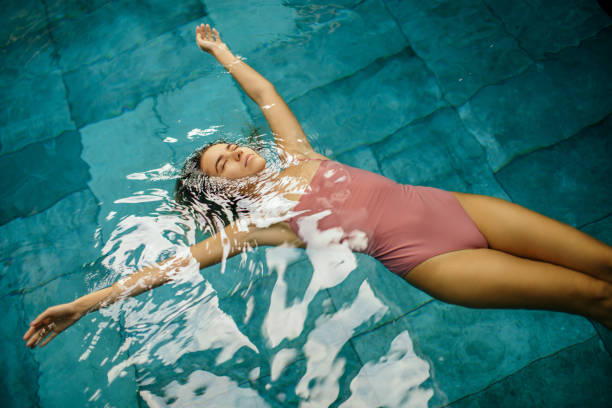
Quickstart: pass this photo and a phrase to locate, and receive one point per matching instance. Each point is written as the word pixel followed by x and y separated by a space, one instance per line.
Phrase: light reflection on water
pixel 194 343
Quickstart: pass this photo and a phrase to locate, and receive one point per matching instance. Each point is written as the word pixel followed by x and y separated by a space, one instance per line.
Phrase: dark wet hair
pixel 196 189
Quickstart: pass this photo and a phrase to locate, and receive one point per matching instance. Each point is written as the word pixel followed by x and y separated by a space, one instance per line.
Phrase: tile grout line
pixel 36 362
pixel 519 370
pixel 420 58
pixel 555 144
pixel 594 221
pixel 505 28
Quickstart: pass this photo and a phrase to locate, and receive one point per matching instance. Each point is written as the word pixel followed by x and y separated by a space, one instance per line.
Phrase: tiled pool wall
pixel 510 99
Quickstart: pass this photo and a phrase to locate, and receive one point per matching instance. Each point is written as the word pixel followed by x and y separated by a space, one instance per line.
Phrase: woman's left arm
pixel 287 131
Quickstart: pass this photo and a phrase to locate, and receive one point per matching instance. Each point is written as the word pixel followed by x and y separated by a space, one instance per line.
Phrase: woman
pixel 467 249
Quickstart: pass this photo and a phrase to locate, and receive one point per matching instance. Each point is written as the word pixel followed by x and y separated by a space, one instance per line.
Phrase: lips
pixel 246 160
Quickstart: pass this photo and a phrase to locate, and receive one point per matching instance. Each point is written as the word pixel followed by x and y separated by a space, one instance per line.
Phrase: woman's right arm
pixel 288 133
pixel 225 244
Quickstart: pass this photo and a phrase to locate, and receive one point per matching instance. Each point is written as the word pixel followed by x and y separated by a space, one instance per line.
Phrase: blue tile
pixel 113 86
pixel 484 346
pixel 71 9
pixel 40 175
pixel 578 376
pixel 574 174
pixel 212 103
pixel 601 229
pixel 361 157
pixel 44 246
pixel 201 388
pixel 126 156
pixel 398 87
pixel 548 26
pixel 396 294
pixel 21 386
pixel 33 96
pixel 549 102
pixel 117 27
pixel 21 20
pixel 464 45
pixel 93 341
pixel 397 372
pixel 280 24
pixel 294 62
pixel 437 151
pixel 35 109
pixel 326 362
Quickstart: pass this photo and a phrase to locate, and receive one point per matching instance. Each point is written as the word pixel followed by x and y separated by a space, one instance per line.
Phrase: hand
pixel 207 40
pixel 50 323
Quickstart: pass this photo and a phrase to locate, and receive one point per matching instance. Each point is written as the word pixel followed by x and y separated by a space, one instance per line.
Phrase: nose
pixel 237 154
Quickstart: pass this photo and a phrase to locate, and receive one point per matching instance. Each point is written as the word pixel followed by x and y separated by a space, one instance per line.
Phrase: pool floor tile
pixel 40 175
pixel 409 156
pixel 569 181
pixel 211 104
pixel 484 346
pixel 543 27
pixel 361 157
pixel 90 344
pixel 20 383
pixel 577 376
pixel 115 150
pixel 398 295
pixel 408 374
pixel 35 110
pixel 553 99
pixel 399 86
pixel 295 63
pixel 461 42
pixel 117 27
pixel 37 249
pixel 17 25
pixel 112 86
pixel 253 38
pixel 71 9
pixel 202 389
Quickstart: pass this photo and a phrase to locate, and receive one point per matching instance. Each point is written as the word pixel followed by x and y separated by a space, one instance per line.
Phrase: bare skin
pixel 533 262
pixel 231 161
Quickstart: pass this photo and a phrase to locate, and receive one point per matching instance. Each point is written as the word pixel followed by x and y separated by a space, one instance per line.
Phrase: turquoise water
pixel 101 103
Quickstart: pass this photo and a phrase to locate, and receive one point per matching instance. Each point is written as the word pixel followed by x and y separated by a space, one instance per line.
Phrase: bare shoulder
pixel 274 235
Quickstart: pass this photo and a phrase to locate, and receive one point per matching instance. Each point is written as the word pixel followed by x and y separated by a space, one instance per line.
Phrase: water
pixel 104 101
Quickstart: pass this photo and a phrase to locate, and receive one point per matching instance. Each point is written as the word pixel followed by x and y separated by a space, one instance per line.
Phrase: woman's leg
pixel 516 230
pixel 487 278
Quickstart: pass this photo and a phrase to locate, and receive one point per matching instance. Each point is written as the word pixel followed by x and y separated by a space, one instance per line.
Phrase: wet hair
pixel 196 189
pixel 217 201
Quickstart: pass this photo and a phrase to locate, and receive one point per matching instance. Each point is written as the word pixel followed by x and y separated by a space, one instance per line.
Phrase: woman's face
pixel 231 161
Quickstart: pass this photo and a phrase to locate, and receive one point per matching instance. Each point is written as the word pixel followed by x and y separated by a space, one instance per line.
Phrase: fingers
pixel 30 331
pixel 216 33
pixel 204 32
pixel 51 337
pixel 38 335
pixel 39 319
pixel 208 33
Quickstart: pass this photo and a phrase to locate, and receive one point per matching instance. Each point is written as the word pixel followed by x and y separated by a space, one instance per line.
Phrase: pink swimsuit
pixel 401 225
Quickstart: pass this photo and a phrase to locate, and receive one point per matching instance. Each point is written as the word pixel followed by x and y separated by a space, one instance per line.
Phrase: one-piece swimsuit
pixel 401 225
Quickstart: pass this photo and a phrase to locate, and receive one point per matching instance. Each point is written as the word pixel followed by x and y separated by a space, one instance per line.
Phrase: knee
pixel 601 298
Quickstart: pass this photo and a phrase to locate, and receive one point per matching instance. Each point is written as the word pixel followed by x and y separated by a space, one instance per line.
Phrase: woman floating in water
pixel 467 249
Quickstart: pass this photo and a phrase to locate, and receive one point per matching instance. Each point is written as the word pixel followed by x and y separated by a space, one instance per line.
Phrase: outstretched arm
pixel 225 244
pixel 287 131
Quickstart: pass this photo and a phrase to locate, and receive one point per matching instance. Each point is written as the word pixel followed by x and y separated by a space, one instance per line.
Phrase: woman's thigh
pixel 487 278
pixel 511 228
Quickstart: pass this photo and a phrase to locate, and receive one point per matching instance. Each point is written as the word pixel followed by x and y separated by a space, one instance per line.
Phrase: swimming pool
pixel 102 101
